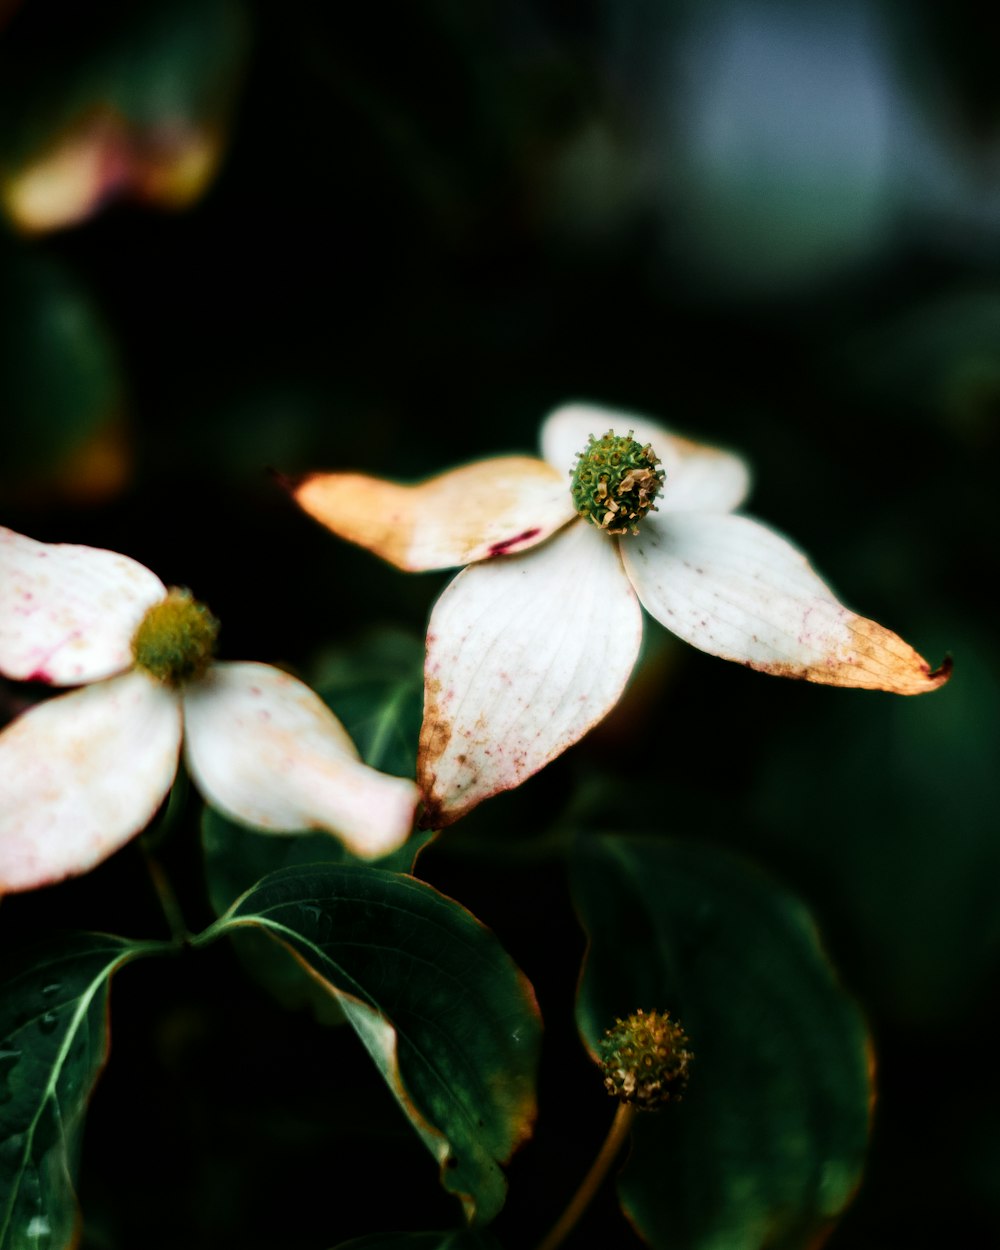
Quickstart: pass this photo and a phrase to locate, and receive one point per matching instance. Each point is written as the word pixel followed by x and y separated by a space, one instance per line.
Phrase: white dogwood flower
pixel 83 772
pixel 533 643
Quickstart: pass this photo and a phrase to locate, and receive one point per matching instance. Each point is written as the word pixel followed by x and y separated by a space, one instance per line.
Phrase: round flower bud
pixel 615 482
pixel 645 1059
pixel 175 640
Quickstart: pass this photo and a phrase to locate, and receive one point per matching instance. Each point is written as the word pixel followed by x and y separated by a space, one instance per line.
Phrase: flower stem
pixel 618 1132
pixel 179 931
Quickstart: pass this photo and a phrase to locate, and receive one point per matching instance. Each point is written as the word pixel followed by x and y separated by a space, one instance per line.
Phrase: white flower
pixel 526 652
pixel 82 773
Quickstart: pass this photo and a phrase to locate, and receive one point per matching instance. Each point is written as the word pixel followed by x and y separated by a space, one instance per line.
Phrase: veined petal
pixel 734 588
pixel 488 508
pixel 699 477
pixel 82 773
pixel 266 751
pixel 68 613
pixel 524 655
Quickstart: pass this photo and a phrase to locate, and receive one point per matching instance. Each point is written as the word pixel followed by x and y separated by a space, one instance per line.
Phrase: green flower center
pixel 645 1059
pixel 176 639
pixel 615 482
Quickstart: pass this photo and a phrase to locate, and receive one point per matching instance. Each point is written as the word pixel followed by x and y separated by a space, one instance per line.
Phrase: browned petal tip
pixel 940 675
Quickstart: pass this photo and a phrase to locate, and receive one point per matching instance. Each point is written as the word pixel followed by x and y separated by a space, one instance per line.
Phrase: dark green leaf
pixel 449 1019
pixel 53 1044
pixel 236 857
pixel 767 1147
pixel 376 687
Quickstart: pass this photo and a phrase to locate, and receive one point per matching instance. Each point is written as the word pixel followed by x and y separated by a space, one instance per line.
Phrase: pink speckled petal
pixel 82 773
pixel 699 477
pixel 68 613
pixel 524 656
pixel 266 751
pixel 487 508
pixel 735 588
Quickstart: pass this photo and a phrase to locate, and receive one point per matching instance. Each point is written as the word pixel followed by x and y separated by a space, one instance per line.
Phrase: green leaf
pixel 53 1045
pixel 449 1019
pixel 767 1147
pixel 376 687
pixel 236 857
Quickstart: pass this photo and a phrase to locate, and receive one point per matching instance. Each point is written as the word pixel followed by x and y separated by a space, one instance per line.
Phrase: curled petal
pixel 266 751
pixel 68 613
pixel 82 773
pixel 524 656
pixel 488 508
pixel 734 588
pixel 699 477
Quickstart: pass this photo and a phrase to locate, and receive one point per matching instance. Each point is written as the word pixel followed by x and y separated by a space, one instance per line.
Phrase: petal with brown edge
pixel 68 613
pixel 737 589
pixel 698 477
pixel 82 773
pixel 487 508
pixel 524 656
pixel 266 751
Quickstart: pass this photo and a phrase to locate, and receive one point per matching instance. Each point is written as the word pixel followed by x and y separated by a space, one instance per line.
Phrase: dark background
pixel 774 226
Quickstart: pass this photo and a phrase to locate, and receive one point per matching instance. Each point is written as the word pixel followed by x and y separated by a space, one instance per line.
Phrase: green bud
pixel 645 1059
pixel 175 640
pixel 615 482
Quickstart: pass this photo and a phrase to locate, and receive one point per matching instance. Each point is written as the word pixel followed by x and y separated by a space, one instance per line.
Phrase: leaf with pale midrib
pixel 53 1045
pixel 449 1019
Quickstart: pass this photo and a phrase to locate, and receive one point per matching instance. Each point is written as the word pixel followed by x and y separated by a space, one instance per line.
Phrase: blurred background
pixel 240 238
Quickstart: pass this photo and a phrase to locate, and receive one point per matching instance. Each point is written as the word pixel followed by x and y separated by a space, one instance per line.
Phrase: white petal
pixel 82 773
pixel 68 613
pixel 266 751
pixel 734 588
pixel 699 477
pixel 524 655
pixel 483 509
pixel 566 430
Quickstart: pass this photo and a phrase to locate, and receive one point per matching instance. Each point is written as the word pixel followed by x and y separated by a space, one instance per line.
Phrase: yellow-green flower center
pixel 175 640
pixel 645 1059
pixel 615 482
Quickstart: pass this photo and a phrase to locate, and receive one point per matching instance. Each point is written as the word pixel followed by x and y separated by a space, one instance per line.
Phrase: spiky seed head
pixel 615 481
pixel 645 1059
pixel 175 640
